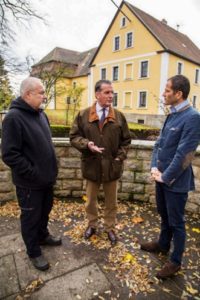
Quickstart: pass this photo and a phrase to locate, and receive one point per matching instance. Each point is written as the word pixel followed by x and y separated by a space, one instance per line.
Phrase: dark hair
pixel 180 83
pixel 99 84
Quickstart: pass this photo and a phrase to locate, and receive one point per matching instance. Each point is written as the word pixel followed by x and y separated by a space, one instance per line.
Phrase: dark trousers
pixel 171 208
pixel 35 208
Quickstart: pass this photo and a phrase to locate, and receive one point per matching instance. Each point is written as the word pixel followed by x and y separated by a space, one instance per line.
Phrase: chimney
pixel 164 21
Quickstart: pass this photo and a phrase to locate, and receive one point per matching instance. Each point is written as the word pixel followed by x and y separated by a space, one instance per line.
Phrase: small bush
pixel 60 130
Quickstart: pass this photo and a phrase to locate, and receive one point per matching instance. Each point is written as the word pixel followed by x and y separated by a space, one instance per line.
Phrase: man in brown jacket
pixel 101 134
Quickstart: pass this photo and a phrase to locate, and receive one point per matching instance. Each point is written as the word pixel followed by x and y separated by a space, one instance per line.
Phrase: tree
pixel 19 11
pixel 74 95
pixel 6 94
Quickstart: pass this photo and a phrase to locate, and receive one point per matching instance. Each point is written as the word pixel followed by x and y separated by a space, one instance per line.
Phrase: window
pixel 140 121
pixel 115 73
pixel 194 101
pixel 197 76
pixel 116 43
pixel 74 84
pixel 129 39
pixel 180 68
pixel 123 22
pixel 144 69
pixel 115 99
pixel 142 99
pixel 127 99
pixel 128 71
pixel 103 73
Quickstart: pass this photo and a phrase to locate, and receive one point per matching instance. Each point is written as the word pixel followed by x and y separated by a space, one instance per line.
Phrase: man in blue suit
pixel 171 169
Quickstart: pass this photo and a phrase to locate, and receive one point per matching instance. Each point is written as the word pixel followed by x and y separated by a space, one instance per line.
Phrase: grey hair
pixel 29 84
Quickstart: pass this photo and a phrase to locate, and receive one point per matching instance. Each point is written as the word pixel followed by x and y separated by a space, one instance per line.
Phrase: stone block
pixel 132 187
pixel 140 197
pixel 58 185
pixel 66 173
pixel 144 154
pixel 73 152
pixel 6 187
pixel 7 197
pixel 150 189
pixel 132 165
pixel 79 174
pixel 146 165
pixel 70 162
pixel 143 177
pixel 192 207
pixel 128 176
pixel 62 151
pixel 131 153
pixel 62 193
pixel 5 176
pixel 124 196
pixel 78 194
pixel 72 185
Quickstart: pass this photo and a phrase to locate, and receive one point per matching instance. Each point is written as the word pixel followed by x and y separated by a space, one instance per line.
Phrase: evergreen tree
pixel 6 94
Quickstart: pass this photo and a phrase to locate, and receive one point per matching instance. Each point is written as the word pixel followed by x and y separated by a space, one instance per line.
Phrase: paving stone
pixel 60 264
pixel 11 244
pixel 73 284
pixel 8 276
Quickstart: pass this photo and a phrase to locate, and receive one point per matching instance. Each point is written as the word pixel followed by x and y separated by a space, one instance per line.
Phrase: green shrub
pixel 60 130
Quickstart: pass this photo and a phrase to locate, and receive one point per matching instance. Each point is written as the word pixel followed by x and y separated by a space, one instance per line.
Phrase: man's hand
pixel 156 175
pixel 95 148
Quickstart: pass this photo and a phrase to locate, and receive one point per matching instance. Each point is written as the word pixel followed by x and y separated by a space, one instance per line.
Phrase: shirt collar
pixel 99 108
pixel 179 106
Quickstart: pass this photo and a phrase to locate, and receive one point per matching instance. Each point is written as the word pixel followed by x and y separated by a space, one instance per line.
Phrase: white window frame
pixel 101 72
pixel 140 68
pixel 114 50
pixel 113 73
pixel 121 22
pixel 131 104
pixel 180 62
pixel 125 78
pixel 198 79
pixel 138 102
pixel 116 92
pixel 126 39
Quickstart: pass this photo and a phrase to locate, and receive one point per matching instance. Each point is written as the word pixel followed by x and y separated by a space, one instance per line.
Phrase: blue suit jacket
pixel 175 149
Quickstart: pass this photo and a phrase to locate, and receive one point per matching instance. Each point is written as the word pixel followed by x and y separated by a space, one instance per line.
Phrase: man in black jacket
pixel 28 150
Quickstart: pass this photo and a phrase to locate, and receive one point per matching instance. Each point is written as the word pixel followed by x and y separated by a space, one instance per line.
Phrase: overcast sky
pixel 80 24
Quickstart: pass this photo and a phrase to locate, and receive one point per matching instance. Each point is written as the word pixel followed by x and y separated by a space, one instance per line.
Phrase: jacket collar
pixel 94 117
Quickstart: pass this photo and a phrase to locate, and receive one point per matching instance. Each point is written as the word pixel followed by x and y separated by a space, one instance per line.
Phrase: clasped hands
pixel 156 175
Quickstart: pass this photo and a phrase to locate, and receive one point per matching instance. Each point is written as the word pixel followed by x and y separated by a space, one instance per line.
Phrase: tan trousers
pixel 110 191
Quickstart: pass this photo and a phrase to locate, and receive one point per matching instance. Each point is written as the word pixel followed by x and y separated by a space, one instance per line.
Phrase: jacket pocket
pixel 23 196
pixel 90 168
pixel 116 169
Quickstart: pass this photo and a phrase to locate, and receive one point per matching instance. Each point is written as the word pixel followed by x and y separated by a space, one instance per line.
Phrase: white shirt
pixel 99 110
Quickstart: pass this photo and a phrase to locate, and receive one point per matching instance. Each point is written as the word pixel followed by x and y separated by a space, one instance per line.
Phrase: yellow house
pixel 138 53
pixel 62 71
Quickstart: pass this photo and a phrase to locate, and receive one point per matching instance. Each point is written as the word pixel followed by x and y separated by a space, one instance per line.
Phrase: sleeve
pixel 185 151
pixel 12 148
pixel 76 135
pixel 125 140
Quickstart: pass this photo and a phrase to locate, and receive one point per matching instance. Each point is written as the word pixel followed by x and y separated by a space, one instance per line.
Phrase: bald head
pixel 29 84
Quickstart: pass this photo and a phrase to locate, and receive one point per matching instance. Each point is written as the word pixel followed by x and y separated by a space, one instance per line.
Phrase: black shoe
pixel 40 263
pixel 112 237
pixel 51 240
pixel 89 232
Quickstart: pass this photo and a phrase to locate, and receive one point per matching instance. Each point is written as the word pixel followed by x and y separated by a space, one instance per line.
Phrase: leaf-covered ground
pixel 131 270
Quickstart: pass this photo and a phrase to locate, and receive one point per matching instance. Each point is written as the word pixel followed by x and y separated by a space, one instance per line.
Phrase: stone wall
pixel 135 183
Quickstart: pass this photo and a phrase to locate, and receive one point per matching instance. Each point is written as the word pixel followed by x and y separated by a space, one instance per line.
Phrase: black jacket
pixel 27 146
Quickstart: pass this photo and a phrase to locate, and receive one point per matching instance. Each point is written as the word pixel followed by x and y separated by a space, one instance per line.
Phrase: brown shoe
pixel 112 237
pixel 168 270
pixel 89 232
pixel 153 247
